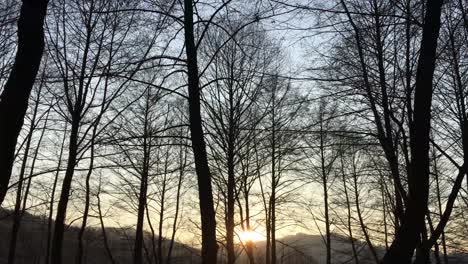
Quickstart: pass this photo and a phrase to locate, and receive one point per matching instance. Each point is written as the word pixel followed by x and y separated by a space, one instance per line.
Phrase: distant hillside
pixel 310 249
pixel 294 249
pixel 33 234
pixel 313 245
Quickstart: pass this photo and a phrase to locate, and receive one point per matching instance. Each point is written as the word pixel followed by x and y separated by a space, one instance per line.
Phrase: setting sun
pixel 249 236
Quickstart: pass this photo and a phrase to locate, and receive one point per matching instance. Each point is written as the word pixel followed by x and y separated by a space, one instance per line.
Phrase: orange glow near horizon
pixel 247 236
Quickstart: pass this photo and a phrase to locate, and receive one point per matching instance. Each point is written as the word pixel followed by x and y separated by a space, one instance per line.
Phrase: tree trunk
pixel 79 255
pixel 272 216
pixel 137 250
pixel 348 208
pixel 406 238
pixel 249 247
pixel 230 202
pixel 439 204
pixel 161 211
pixel 52 198
pixel 361 220
pixel 56 253
pixel 153 234
pixel 208 217
pixel 325 193
pixel 17 214
pixel 15 95
pixel 104 233
pixel 268 235
pixel 183 163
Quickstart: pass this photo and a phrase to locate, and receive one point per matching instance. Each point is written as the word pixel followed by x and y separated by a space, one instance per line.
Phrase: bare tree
pixel 406 237
pixel 15 95
pixel 205 190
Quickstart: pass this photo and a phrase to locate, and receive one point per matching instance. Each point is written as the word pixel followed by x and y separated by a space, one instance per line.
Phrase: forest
pixel 233 131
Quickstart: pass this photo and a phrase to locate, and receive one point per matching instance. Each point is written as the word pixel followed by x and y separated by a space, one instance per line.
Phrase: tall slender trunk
pixel 57 242
pixel 142 196
pixel 406 237
pixel 266 208
pixel 348 208
pixel 153 233
pixel 384 210
pixel 17 214
pixel 104 232
pixel 231 183
pixel 79 256
pixel 361 220
pixel 268 235
pixel 15 95
pixel 161 211
pixel 183 162
pixel 249 246
pixel 52 199
pixel 325 192
pixel 272 210
pixel 205 192
pixel 230 203
pixel 436 245
pixel 76 109
pixel 439 204
pixel 272 217
pixel 137 249
pixel 327 221
pixel 408 89
pixel 463 123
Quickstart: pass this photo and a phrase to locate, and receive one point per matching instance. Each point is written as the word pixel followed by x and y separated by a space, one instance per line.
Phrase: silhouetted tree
pixel 205 190
pixel 15 95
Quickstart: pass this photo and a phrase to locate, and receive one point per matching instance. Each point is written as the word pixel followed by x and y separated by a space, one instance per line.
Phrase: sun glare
pixel 246 236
